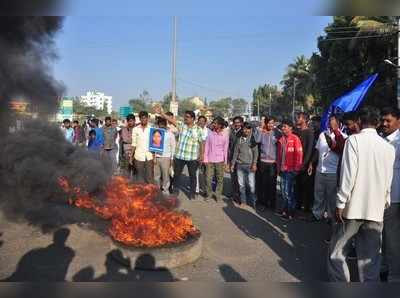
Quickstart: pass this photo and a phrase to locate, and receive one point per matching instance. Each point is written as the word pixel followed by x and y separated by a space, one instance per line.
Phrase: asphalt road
pixel 239 244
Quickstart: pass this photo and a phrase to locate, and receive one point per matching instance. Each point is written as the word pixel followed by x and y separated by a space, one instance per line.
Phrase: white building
pixel 97 100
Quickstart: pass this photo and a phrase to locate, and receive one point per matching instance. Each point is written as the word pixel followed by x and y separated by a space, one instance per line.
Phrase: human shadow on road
pixel 48 264
pixel 229 274
pixel 299 246
pixel 121 271
pixel 1 241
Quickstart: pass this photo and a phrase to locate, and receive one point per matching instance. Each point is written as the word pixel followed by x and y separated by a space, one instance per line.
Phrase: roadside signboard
pixel 125 111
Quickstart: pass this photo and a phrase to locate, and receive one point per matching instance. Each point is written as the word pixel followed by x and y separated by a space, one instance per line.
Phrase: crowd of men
pixel 347 175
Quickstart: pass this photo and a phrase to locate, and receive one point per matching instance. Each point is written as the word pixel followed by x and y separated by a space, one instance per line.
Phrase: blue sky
pixel 217 55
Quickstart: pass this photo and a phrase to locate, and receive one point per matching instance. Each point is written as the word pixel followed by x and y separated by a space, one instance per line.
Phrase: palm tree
pixel 299 71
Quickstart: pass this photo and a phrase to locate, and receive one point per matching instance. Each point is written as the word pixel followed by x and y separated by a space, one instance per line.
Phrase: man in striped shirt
pixel 189 148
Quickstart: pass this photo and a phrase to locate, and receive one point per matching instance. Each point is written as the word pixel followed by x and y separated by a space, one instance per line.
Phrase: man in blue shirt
pixel 99 140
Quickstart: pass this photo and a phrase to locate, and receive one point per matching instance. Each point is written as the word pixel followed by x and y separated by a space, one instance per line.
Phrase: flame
pixel 138 215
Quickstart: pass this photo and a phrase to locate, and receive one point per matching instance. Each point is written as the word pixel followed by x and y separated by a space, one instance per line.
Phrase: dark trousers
pixel 391 242
pixel 145 171
pixel 235 185
pixel 266 184
pixel 304 191
pixel 192 166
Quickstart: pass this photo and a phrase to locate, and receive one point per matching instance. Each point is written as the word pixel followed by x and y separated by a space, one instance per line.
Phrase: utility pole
pixel 270 103
pixel 258 108
pixel 294 97
pixel 174 103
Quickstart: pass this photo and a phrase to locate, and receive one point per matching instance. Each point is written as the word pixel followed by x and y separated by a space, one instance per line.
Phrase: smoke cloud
pixel 27 50
pixel 32 159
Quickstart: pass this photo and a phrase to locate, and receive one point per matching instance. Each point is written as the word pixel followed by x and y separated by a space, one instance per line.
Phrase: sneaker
pixel 254 205
pixel 237 201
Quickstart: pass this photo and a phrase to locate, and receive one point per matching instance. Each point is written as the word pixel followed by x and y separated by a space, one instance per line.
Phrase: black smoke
pixel 33 158
pixel 27 50
pixel 32 7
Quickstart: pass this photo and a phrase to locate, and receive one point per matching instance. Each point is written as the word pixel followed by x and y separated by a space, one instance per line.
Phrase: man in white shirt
pixel 391 222
pixel 325 187
pixel 200 173
pixel 164 160
pixel 364 192
pixel 141 156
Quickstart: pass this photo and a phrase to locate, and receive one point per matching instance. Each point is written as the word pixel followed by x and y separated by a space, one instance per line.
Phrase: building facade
pixel 97 100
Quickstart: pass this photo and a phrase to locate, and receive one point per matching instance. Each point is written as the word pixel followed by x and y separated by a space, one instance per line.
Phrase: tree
pixel 186 105
pixel 221 107
pixel 300 73
pixel 82 111
pixel 270 99
pixel 138 105
pixel 239 106
pixel 341 64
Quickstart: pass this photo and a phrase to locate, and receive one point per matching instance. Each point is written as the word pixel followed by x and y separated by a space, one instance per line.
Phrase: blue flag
pixel 348 102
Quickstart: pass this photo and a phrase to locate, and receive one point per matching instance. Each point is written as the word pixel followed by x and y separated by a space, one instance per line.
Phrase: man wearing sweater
pixel 244 161
pixel 364 192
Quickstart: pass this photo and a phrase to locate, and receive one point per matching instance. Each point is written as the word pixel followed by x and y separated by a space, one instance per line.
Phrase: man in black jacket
pixel 304 182
pixel 234 135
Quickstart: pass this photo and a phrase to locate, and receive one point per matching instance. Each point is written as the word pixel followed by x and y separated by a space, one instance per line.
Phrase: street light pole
pixel 174 64
pixel 270 103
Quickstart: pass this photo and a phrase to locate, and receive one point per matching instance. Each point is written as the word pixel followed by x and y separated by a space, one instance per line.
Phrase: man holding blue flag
pixel 348 102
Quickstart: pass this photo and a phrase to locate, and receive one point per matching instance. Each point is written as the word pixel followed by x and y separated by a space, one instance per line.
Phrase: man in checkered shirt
pixel 189 148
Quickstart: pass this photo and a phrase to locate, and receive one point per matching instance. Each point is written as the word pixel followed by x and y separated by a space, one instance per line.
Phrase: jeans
pixel 287 190
pixel 161 172
pixel 367 235
pixel 391 242
pixel 192 166
pixel 217 170
pixel 266 184
pixel 246 178
pixel 325 190
pixel 145 171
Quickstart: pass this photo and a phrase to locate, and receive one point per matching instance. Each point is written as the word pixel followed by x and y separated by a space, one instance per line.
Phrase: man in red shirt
pixel 289 163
